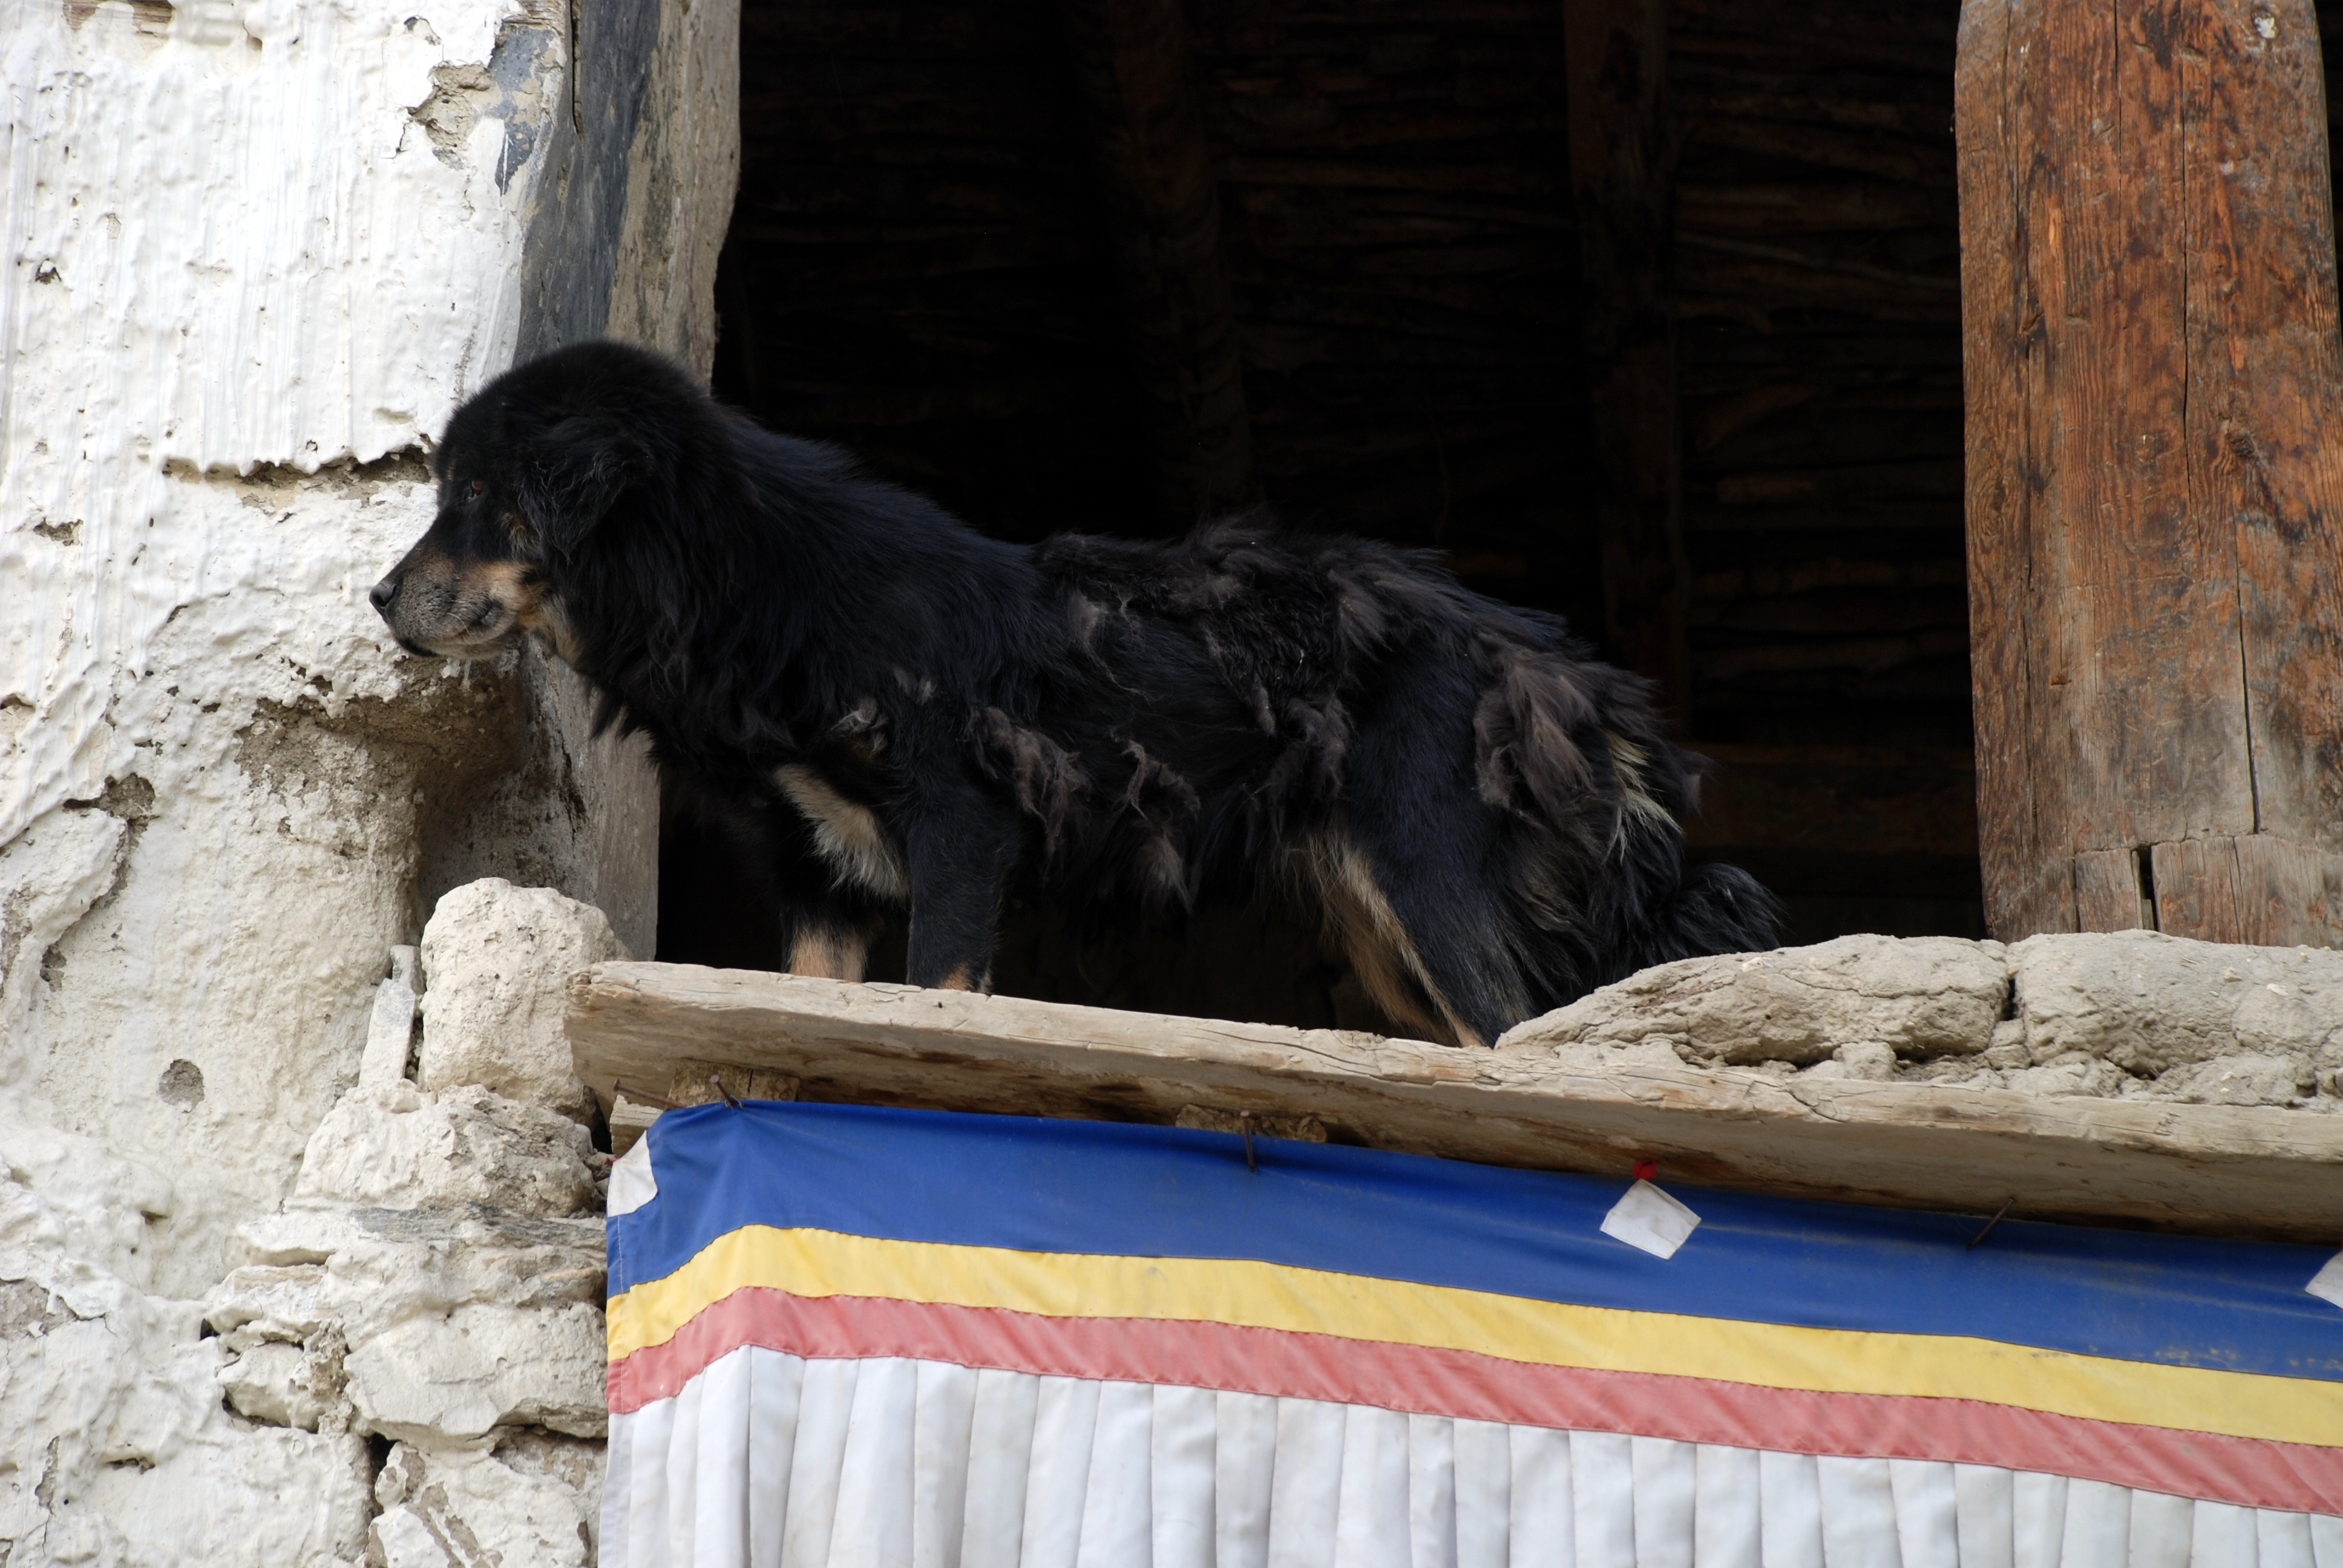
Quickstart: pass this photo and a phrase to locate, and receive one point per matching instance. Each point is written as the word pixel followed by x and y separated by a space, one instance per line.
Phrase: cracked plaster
pixel 257 251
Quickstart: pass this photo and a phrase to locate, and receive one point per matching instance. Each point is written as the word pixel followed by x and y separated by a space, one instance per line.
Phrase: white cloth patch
pixel 1645 1217
pixel 2328 1284
pixel 632 1184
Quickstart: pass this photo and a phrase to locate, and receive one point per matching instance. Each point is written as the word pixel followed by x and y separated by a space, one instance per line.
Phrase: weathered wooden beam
pixel 2153 381
pixel 1130 60
pixel 1832 147
pixel 1818 207
pixel 1621 165
pixel 2228 1170
pixel 1839 800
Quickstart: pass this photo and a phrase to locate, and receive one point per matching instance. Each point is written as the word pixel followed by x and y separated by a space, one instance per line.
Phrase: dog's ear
pixel 570 475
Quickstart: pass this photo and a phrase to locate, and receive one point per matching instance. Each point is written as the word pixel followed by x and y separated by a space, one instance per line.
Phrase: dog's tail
pixel 1717 909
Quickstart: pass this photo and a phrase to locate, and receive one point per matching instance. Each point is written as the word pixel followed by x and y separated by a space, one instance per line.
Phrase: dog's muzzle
pixel 384 596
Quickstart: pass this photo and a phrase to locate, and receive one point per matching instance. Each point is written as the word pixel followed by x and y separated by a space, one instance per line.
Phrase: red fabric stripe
pixel 2256 1473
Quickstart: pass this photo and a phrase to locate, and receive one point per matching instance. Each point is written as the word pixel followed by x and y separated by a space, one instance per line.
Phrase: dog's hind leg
pixel 1416 932
pixel 829 947
pixel 961 849
pixel 1337 878
pixel 826 928
pixel 1407 872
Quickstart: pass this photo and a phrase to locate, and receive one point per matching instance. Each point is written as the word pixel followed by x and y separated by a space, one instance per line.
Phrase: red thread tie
pixel 1646 1169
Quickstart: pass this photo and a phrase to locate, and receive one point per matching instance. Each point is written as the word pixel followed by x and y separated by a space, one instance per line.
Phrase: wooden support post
pixel 1162 205
pixel 2154 391
pixel 1622 171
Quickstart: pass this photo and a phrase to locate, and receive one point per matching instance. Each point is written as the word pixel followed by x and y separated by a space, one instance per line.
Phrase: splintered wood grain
pixel 2137 704
pixel 2028 887
pixel 2289 893
pixel 2265 393
pixel 2259 889
pixel 2197 890
pixel 1622 170
pixel 2222 1169
pixel 704 1082
pixel 2149 352
pixel 2106 891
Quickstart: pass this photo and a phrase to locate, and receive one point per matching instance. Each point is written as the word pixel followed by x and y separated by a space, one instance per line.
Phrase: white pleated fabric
pixel 769 1461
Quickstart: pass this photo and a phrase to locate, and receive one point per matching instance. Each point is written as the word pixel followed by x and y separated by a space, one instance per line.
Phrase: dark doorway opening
pixel 922 267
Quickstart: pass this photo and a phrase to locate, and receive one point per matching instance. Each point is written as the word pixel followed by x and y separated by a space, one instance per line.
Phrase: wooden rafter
pixel 1130 58
pixel 1622 167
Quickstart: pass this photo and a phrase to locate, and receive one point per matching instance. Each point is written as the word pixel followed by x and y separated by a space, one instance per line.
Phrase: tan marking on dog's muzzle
pixel 467 612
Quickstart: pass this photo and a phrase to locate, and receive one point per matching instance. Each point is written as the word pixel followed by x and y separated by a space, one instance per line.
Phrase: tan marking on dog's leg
pixel 1384 974
pixel 1466 1033
pixel 958 980
pixel 829 954
pixel 1377 946
pixel 846 832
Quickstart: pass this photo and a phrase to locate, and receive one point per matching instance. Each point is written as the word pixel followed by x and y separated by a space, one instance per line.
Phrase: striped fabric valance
pixel 841 1335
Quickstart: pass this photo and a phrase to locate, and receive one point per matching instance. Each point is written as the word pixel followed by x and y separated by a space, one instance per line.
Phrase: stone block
pixel 2149 1003
pixel 265 1497
pixel 279 1384
pixel 2249 1077
pixel 390 1028
pixel 368 1270
pixel 396 1147
pixel 467 1506
pixel 496 962
pixel 1920 997
pixel 2073 1073
pixel 432 1379
pixel 576 1463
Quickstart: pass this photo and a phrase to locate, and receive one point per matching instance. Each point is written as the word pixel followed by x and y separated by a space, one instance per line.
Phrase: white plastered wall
pixel 254 254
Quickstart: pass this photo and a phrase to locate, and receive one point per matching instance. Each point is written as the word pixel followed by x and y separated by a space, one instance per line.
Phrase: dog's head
pixel 528 471
pixel 477 581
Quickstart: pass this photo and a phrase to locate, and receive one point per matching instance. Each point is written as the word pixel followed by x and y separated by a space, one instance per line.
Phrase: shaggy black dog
pixel 923 719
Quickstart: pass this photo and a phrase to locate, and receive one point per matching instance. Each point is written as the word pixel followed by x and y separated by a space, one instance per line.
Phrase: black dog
pixel 1488 821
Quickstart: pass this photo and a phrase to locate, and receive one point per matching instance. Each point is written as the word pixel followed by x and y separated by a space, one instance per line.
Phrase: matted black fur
pixel 903 715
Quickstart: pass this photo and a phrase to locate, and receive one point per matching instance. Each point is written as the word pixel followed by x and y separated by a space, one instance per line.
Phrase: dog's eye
pixel 480 486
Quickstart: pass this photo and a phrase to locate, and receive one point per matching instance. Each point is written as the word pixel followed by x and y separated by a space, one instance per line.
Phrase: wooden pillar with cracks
pixel 2153 388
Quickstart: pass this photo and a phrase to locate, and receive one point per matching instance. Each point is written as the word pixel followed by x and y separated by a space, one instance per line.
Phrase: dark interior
pixel 919 268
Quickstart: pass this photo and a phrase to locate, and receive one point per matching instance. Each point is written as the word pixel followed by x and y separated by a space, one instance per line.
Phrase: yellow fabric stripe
pixel 1311 1301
